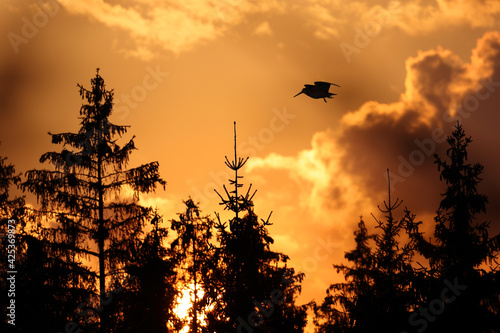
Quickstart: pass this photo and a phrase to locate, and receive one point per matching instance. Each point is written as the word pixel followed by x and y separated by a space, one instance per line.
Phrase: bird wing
pixel 309 86
pixel 324 85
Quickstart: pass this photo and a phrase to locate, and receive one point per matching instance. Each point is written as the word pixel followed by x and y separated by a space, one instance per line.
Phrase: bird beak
pixel 298 94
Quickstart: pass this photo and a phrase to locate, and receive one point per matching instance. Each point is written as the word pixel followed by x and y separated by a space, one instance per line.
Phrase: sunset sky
pixel 184 71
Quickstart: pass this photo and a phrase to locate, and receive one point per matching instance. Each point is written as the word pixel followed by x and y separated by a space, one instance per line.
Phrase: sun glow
pixel 185 304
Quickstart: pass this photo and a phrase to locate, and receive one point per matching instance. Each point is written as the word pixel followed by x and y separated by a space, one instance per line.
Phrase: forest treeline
pixel 90 258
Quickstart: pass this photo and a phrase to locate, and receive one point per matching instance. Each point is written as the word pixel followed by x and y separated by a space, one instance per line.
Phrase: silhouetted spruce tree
pixel 194 250
pixel 460 252
pixel 82 193
pixel 40 276
pixel 148 299
pixel 379 290
pixel 350 302
pixel 394 274
pixel 253 288
pixel 10 207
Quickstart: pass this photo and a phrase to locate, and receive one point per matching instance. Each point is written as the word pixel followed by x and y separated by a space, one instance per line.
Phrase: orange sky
pixel 183 71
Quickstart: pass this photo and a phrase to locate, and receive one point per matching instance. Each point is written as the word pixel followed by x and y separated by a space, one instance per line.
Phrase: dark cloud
pixel 440 90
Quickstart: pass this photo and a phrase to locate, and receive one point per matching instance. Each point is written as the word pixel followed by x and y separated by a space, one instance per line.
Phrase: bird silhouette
pixel 318 90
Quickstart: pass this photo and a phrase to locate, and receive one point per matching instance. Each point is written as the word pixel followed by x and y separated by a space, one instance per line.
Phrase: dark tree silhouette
pixel 83 192
pixel 379 288
pixel 148 300
pixel 253 289
pixel 349 303
pixel 193 247
pixel 41 275
pixel 10 207
pixel 394 275
pixel 461 251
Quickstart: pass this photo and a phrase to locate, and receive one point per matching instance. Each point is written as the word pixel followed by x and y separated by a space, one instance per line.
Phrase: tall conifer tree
pixel 254 290
pixel 82 191
pixel 461 250
pixel 379 288
pixel 348 303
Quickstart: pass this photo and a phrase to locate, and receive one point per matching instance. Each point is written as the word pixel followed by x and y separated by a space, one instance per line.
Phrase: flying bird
pixel 318 90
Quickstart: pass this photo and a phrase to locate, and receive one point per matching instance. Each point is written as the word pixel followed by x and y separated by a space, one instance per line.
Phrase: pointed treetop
pixel 235 202
pixel 238 162
pixel 388 206
pixel 100 100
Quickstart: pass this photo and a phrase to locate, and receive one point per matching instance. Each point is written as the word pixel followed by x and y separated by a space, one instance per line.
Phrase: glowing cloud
pixel 173 26
pixel 413 17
